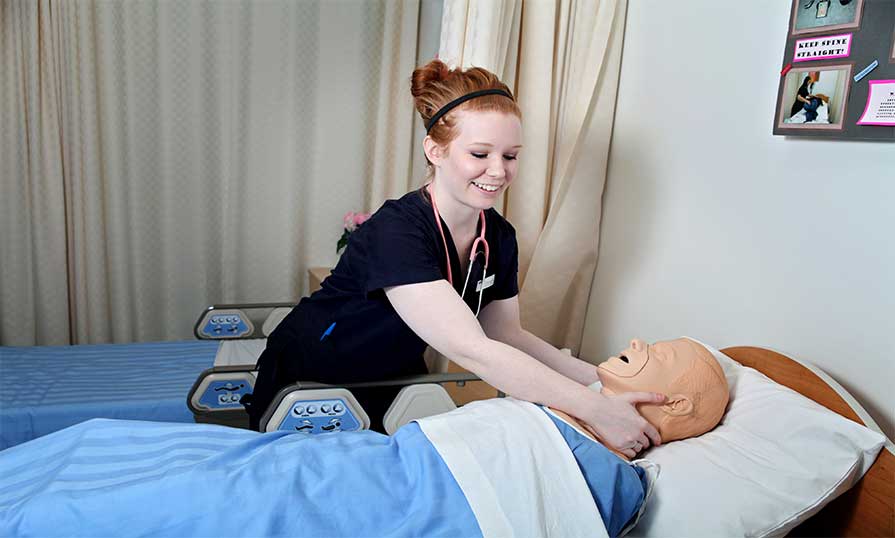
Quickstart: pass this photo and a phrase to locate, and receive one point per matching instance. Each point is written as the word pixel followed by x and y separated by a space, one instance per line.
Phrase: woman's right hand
pixel 616 422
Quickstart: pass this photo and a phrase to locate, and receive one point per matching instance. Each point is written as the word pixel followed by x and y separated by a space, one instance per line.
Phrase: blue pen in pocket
pixel 327 331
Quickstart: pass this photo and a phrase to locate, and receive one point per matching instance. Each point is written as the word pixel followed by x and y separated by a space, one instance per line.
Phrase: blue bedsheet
pixel 44 389
pixel 125 478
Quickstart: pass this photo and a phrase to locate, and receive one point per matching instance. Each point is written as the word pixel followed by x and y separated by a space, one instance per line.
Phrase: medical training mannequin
pixel 686 372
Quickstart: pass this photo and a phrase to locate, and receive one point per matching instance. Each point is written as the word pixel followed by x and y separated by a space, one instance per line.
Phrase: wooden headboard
pixel 868 509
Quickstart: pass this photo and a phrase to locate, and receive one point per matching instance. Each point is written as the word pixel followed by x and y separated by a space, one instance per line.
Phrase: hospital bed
pixel 866 508
pixel 47 388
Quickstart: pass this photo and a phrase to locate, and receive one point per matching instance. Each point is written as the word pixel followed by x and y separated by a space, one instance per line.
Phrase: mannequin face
pixel 684 371
pixel 479 164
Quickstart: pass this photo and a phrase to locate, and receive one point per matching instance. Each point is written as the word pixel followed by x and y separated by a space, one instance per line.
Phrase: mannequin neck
pixel 585 430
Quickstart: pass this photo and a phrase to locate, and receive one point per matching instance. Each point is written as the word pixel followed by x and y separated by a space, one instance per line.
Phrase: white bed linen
pixel 775 459
pixel 515 469
pixel 240 352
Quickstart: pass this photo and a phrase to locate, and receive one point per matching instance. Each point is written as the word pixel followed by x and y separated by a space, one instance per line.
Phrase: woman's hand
pixel 616 422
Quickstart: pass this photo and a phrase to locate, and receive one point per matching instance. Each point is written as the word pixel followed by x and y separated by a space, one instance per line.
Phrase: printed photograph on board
pixel 814 98
pixel 810 16
pixel 892 56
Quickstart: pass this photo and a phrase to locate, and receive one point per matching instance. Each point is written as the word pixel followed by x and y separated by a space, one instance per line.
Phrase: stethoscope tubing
pixel 472 252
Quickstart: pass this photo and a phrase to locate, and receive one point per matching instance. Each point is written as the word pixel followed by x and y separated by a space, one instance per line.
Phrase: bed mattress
pixel 47 388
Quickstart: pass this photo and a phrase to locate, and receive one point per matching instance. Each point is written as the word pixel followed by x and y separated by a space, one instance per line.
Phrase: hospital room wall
pixel 715 228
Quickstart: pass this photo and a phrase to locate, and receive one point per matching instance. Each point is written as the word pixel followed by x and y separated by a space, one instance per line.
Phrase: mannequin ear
pixel 434 151
pixel 678 405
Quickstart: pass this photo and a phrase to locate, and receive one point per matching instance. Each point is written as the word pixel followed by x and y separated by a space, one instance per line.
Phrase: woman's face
pixel 482 161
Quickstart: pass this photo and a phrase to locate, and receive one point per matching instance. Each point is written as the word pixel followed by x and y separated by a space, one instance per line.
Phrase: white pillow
pixel 775 459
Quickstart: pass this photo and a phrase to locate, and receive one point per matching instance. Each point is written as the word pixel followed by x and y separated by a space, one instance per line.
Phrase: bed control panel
pixel 224 324
pixel 222 391
pixel 319 411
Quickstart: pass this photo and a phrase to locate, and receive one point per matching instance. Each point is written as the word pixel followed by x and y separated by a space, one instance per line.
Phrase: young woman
pixel 438 267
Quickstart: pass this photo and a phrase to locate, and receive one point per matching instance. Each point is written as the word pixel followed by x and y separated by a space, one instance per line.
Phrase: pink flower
pixel 360 218
pixel 352 220
pixel 348 221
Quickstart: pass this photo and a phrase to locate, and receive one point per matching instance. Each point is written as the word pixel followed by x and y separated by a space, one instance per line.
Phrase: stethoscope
pixel 472 252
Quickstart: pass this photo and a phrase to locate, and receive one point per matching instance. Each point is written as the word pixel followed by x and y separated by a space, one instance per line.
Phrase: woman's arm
pixel 434 311
pixel 500 320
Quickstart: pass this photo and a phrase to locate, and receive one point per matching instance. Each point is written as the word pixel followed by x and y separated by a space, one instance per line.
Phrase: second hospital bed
pixel 47 388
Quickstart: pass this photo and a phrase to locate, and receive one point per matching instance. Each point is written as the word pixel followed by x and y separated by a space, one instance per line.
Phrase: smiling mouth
pixel 486 187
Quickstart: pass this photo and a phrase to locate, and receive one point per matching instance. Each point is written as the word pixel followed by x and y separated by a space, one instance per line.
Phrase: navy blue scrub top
pixel 400 244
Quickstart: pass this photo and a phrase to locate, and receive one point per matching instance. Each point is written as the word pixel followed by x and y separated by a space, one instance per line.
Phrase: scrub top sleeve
pixel 399 252
pixel 507 279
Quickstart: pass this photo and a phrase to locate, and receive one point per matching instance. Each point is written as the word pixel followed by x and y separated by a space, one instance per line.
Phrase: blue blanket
pixel 123 478
pixel 47 388
pixel 117 478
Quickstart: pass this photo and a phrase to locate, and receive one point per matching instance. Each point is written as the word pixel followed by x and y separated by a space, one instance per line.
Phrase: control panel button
pixel 338 408
pixel 325 408
pixel 312 409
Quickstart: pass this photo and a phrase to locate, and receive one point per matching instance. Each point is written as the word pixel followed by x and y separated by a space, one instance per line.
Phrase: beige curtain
pixel 392 174
pixel 481 33
pixel 569 55
pixel 33 282
pixel 162 156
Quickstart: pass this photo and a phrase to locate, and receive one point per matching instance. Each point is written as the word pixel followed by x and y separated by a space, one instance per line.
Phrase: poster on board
pixel 811 16
pixel 815 98
pixel 837 70
pixel 892 56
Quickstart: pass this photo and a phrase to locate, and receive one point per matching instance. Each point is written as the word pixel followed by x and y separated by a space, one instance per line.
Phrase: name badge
pixel 485 284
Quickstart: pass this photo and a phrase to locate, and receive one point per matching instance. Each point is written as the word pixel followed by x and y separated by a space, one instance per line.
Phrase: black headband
pixel 462 99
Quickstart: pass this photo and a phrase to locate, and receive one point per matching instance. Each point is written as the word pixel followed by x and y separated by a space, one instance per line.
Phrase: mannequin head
pixel 686 372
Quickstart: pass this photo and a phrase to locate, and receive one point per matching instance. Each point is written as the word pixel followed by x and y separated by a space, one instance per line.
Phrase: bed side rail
pixel 240 320
pixel 312 407
pixel 216 393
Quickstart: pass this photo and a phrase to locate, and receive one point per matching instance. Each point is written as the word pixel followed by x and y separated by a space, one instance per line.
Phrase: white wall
pixel 715 228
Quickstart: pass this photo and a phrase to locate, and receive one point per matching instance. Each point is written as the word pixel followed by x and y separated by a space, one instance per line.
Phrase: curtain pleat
pixel 34 303
pixel 158 157
pixel 567 59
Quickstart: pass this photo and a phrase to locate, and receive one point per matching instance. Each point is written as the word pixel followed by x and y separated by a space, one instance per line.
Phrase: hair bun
pixel 423 77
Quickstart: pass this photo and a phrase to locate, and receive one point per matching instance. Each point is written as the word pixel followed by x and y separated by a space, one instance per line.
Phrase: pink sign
pixel 880 109
pixel 822 48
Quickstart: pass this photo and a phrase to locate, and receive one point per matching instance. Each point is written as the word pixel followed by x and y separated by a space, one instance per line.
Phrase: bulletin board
pixel 837 78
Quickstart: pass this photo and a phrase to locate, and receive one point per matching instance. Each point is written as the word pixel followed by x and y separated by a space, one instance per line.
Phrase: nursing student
pixel 438 267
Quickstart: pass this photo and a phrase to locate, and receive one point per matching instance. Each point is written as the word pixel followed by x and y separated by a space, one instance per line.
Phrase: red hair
pixel 435 85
